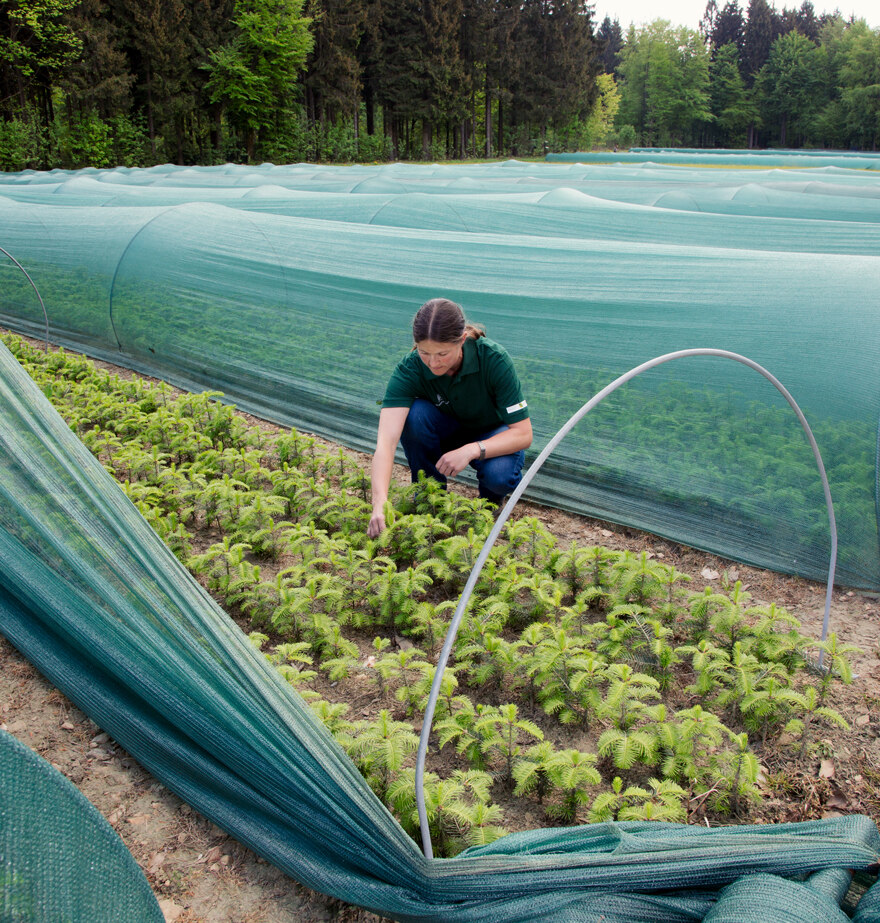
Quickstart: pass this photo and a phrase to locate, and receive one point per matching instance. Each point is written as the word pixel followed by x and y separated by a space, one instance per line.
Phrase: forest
pixel 103 83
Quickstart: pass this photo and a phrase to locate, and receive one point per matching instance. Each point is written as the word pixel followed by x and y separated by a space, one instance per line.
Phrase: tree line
pixel 139 82
pixel 757 78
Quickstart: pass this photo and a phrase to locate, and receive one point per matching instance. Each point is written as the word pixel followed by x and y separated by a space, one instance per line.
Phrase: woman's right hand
pixel 377 524
pixel 391 422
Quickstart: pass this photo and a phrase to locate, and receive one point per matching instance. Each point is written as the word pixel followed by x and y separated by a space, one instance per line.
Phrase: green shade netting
pixel 292 288
pixel 60 860
pixel 868 909
pixel 95 600
pixel 689 157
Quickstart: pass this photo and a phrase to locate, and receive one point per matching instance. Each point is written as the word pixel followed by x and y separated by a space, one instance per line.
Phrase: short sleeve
pixel 403 386
pixel 505 387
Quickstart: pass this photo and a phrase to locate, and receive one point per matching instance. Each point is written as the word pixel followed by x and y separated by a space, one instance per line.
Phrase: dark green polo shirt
pixel 483 394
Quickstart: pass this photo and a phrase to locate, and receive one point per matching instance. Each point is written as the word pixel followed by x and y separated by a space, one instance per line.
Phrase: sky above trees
pixel 690 12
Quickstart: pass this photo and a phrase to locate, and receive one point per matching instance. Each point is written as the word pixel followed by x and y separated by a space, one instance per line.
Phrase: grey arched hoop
pixel 514 497
pixel 39 298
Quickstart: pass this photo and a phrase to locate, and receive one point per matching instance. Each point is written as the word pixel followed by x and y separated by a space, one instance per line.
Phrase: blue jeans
pixel 429 433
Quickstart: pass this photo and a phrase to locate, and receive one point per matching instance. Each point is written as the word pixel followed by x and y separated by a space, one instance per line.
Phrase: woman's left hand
pixel 454 462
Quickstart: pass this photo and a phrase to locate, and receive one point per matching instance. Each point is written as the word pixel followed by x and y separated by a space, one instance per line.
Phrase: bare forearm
pixel 518 436
pixel 391 421
pixel 380 476
pixel 507 442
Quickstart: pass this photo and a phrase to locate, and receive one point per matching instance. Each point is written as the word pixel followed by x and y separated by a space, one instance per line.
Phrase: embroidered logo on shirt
pixel 441 401
pixel 514 407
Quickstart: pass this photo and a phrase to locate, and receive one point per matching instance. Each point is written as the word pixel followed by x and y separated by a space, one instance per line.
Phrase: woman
pixel 454 401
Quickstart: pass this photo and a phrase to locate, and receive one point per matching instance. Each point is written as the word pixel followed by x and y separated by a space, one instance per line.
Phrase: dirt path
pixel 197 872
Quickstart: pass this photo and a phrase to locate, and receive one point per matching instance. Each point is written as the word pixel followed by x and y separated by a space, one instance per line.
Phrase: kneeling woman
pixel 454 401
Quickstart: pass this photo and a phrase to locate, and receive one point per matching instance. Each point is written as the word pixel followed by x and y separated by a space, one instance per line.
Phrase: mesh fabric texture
pixel 60 860
pixel 292 288
pixel 93 598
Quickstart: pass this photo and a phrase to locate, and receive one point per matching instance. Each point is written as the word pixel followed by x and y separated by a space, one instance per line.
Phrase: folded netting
pixel 868 910
pixel 768 897
pixel 60 860
pixel 95 600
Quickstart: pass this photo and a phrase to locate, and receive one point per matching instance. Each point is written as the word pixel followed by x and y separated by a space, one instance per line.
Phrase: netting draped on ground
pixel 95 600
pixel 291 289
pixel 59 858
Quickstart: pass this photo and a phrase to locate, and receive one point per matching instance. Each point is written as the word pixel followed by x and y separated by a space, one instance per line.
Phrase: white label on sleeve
pixel 514 407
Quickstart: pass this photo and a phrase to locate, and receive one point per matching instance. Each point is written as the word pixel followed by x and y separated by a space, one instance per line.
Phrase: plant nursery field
pixel 600 673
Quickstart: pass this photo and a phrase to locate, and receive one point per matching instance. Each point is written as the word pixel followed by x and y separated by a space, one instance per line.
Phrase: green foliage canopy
pixel 257 73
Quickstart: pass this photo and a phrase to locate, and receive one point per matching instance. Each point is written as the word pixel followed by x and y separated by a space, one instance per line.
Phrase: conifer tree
pixel 758 37
pixel 728 27
pixel 610 38
pixel 333 72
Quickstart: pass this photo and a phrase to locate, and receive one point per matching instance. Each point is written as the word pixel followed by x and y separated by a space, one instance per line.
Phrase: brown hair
pixel 443 321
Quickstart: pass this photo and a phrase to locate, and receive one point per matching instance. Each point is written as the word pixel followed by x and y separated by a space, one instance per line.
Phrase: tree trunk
pixel 369 104
pixel 395 140
pixel 488 120
pixel 179 129
pixel 48 118
pixel 217 129
pixel 427 132
pixel 150 126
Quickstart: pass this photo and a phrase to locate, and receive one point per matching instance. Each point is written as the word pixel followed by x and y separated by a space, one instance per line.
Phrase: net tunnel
pixel 291 290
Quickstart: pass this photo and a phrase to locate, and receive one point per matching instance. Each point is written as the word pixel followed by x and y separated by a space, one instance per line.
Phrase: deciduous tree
pixel 789 87
pixel 36 45
pixel 732 107
pixel 255 76
pixel 665 84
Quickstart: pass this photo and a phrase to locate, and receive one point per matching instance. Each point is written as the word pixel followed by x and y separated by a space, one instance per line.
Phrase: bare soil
pixel 201 875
